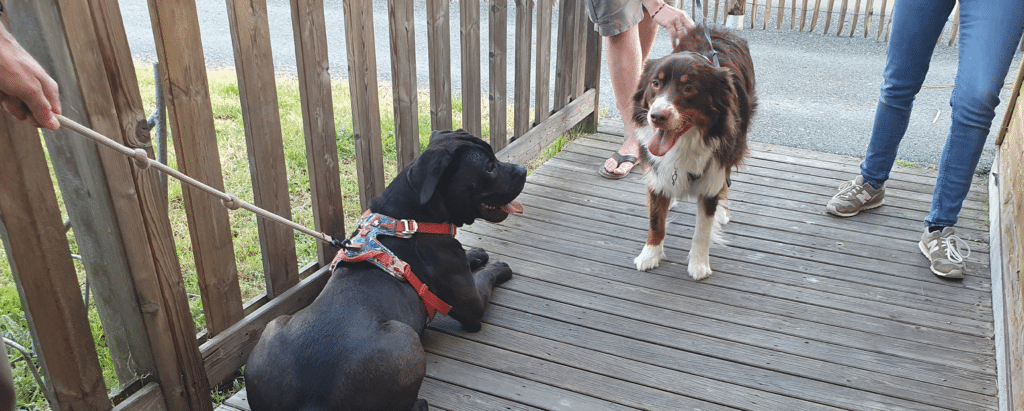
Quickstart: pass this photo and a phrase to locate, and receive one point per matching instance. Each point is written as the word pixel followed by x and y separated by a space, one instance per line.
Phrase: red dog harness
pixel 364 246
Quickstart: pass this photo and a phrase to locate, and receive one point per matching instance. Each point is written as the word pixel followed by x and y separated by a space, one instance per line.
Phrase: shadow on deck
pixel 804 311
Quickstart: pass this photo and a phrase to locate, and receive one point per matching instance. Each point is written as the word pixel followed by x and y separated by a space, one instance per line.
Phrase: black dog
pixel 357 346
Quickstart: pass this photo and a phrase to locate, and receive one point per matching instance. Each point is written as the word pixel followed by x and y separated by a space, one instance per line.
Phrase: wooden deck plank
pixel 804 311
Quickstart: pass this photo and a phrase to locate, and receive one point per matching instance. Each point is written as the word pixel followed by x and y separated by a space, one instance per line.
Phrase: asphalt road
pixel 816 92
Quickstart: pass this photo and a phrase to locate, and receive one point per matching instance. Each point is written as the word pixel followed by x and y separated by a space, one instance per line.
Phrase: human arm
pixel 676 21
pixel 26 91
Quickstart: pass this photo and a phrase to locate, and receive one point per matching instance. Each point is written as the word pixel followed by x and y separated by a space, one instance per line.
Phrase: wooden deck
pixel 804 311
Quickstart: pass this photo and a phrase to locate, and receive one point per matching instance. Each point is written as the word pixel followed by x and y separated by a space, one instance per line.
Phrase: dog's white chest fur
pixel 687 170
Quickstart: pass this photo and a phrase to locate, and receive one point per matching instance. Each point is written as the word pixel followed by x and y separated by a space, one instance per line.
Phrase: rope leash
pixel 142 162
pixel 704 26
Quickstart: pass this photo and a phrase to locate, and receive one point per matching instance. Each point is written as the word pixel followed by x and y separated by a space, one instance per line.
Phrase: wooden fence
pixel 119 214
pixel 860 18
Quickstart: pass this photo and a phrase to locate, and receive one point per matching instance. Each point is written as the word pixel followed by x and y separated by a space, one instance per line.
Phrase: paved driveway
pixel 816 92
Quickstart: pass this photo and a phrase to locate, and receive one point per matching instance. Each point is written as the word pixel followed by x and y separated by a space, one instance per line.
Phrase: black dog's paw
pixel 503 272
pixel 420 405
pixel 477 258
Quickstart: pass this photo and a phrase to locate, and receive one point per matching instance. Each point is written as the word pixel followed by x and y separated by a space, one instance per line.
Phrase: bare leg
pixel 626 54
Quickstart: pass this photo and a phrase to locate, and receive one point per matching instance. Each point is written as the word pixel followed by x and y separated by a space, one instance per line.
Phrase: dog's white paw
pixel 649 257
pixel 699 267
pixel 722 216
pixel 698 271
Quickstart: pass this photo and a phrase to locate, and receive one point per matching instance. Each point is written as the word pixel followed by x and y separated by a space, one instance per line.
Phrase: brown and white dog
pixel 693 119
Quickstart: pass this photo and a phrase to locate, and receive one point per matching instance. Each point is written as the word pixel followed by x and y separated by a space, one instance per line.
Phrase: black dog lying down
pixel 357 346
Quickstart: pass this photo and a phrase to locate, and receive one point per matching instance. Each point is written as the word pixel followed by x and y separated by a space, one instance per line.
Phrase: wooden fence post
pixel 469 23
pixel 257 88
pixel 403 81
pixel 362 80
pixel 89 199
pixel 542 108
pixel 33 234
pixel 439 54
pixel 521 105
pixel 310 33
pixel 498 94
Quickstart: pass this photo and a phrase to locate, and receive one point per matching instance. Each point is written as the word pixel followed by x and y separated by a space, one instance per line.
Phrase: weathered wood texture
pixel 440 68
pixel 257 89
pixel 403 81
pixel 542 108
pixel 309 29
pixel 362 81
pixel 524 46
pixel 792 318
pixel 469 38
pixel 148 398
pixel 111 245
pixel 497 97
pixel 1009 178
pixel 33 235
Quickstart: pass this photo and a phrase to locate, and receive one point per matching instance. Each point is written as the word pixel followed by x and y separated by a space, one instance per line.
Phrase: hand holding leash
pixel 676 21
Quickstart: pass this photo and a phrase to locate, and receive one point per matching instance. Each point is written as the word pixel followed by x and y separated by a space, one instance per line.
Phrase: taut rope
pixel 142 161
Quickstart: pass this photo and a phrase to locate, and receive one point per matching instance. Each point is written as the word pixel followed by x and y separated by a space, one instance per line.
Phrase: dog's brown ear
pixel 639 102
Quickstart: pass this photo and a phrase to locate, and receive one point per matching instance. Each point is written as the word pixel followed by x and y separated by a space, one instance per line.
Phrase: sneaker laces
pixel 848 188
pixel 952 245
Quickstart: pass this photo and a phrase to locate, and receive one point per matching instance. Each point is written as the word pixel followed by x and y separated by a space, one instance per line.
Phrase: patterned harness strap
pixel 364 246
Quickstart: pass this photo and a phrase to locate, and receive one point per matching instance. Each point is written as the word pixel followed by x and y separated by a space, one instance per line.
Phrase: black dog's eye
pixel 689 88
pixel 491 166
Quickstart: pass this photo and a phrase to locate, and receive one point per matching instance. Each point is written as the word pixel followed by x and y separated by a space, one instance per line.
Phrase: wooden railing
pixel 120 216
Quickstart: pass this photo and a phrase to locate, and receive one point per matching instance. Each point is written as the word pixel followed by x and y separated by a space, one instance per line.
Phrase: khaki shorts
pixel 616 16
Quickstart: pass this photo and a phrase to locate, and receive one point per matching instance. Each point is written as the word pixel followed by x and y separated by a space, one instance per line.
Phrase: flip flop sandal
pixel 619 159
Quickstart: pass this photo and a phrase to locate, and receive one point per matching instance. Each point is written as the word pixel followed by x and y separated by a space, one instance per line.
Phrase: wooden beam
pixel 497 98
pixel 542 108
pixel 531 143
pixel 149 398
pixel 108 243
pixel 472 114
pixel 227 352
pixel 362 81
pixel 403 81
pixel 439 53
pixel 257 89
pixel 869 12
pixel 309 30
pixel 33 235
pixel 592 77
pixel 524 43
pixel 565 61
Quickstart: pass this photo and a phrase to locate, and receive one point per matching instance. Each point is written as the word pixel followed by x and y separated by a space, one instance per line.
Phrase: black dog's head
pixel 457 179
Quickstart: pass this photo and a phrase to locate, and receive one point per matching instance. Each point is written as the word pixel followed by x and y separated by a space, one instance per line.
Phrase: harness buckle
pixel 411 227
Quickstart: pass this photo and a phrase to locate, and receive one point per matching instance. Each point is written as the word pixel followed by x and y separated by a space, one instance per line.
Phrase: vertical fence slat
pixel 803 15
pixel 792 14
pixel 33 234
pixel 524 42
pixel 565 61
pixel 842 17
pixel 814 16
pixel 592 74
pixel 362 80
pixel 956 25
pixel 856 13
pixel 782 9
pixel 91 203
pixel 881 20
pixel 469 22
pixel 403 81
pixel 707 3
pixel 767 14
pixel 497 97
pixel 828 17
pixel 869 12
pixel 183 71
pixel 310 33
pixel 257 89
pixel 579 51
pixel 753 12
pixel 542 109
pixel 440 55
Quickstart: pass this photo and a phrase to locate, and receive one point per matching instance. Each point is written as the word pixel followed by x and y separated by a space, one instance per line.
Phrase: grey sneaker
pixel 854 197
pixel 943 250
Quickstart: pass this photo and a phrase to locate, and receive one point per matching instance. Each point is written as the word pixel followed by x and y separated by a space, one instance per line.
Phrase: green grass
pixel 235 169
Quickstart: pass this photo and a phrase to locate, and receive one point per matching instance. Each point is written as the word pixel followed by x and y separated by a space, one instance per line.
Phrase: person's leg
pixel 625 63
pixel 7 393
pixel 989 34
pixel 916 27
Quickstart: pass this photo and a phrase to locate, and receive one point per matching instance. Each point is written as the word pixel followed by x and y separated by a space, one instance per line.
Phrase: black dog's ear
pixel 426 171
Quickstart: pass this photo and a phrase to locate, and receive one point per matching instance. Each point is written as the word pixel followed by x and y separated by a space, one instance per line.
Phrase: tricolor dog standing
pixel 693 119
pixel 357 346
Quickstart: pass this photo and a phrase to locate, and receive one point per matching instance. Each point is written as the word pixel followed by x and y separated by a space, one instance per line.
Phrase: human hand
pixel 26 91
pixel 676 21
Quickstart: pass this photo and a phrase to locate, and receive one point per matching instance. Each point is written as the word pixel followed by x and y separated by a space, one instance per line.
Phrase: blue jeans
pixel 989 34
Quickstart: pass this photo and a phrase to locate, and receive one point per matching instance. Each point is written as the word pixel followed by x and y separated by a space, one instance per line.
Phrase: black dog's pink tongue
pixel 661 143
pixel 514 207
